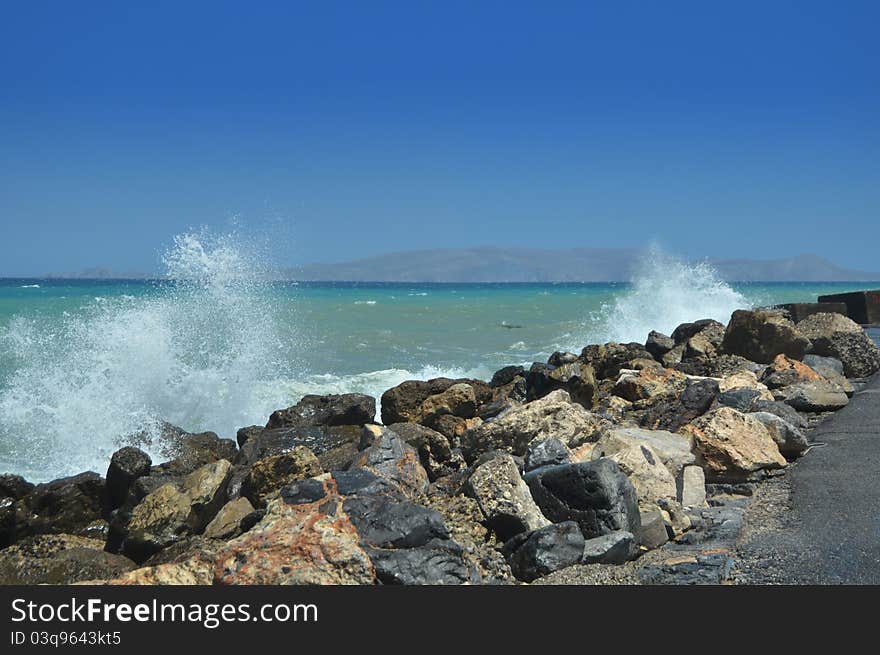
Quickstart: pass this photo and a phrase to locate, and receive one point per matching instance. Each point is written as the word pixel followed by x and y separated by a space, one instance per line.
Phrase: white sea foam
pixel 29 286
pixel 665 293
pixel 199 352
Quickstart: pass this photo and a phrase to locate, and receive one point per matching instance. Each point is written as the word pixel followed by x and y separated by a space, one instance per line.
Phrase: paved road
pixel 831 520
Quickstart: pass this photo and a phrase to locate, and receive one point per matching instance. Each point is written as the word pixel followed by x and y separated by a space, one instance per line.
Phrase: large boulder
pixel 73 505
pixel 784 371
pixel 344 409
pixel 818 396
pixel 268 475
pixel 576 378
pixel 644 468
pixel 674 450
pixel 59 559
pixel 833 335
pixel 435 452
pixel 731 446
pixel 658 344
pixel 554 415
pixel 504 498
pixel 336 442
pixel 649 384
pixel 458 400
pixel 185 451
pixel 760 335
pixel 403 403
pixel 126 465
pixel 596 495
pixel 608 359
pixel 228 521
pixel 551 548
pixel 176 510
pixel 391 458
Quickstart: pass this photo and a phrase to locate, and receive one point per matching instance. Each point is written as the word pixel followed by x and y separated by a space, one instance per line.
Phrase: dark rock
pixel 798 311
pixel 506 375
pixel 780 409
pixel 695 400
pixel 760 335
pixel 435 453
pixel 614 548
pixel 825 366
pixel 329 410
pixel 391 458
pixel 549 549
pixel 14 486
pixel 597 495
pixel 576 378
pixel 59 560
pixel 741 399
pixel 790 440
pixel 685 331
pixel 549 452
pixel 246 434
pixel 269 474
pixel 560 358
pixel 73 505
pixel 189 452
pixel 818 396
pixel 126 465
pixel 607 359
pixel 658 344
pixel 319 439
pixel 652 533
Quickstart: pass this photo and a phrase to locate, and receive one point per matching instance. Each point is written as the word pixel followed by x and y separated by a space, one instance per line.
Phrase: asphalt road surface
pixel 828 529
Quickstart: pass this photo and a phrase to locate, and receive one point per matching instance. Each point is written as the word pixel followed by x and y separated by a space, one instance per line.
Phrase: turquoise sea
pixel 84 363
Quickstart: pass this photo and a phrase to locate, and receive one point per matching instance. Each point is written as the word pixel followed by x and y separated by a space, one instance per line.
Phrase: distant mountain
pixel 98 273
pixel 494 264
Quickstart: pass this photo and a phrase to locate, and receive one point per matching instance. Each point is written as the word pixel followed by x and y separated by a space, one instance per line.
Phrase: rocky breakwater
pixel 623 458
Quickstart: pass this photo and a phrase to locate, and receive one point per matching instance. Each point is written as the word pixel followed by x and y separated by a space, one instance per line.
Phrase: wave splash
pixel 666 292
pixel 196 350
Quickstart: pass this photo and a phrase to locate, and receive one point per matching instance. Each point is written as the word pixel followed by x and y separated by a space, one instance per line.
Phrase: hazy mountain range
pixel 492 264
pixel 495 264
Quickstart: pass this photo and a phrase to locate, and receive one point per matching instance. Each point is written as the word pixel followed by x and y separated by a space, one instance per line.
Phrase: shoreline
pixel 676 434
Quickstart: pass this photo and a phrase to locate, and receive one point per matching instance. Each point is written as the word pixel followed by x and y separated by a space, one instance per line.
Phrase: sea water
pixel 216 344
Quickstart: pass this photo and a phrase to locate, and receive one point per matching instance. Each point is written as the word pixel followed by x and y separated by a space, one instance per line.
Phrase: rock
pixel 798 311
pixel 458 400
pixel 507 375
pixel 403 403
pixel 322 440
pixel 554 415
pixel 670 414
pixel 243 435
pixel 760 335
pixel 645 470
pixel 861 306
pixel 741 399
pixel 653 533
pixel 742 379
pixel 73 505
pixel 658 344
pixel 693 487
pixel 174 511
pixel 596 495
pixel 187 451
pixel 686 331
pixel 504 498
pixel 549 549
pixel 269 474
pixel 347 527
pixel 674 450
pixel 435 453
pixel 59 559
pixel 833 335
pixel 576 378
pixel 821 396
pixel 329 410
pixel 126 465
pixel 790 440
pixel 732 446
pixel 613 548
pixel 548 452
pixel 389 457
pixel 784 371
pixel 14 486
pixel 561 358
pixel 673 357
pixel 824 366
pixel 649 384
pixel 608 359
pixel 782 410
pixel 227 523
pixel 187 573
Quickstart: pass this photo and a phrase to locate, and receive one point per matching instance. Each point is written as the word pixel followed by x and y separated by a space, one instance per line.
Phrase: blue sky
pixel 345 129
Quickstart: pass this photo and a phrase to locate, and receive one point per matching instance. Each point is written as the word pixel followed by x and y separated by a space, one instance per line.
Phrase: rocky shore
pixel 626 463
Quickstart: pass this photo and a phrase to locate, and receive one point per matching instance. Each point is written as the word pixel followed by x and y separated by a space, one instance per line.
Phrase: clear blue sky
pixel 352 128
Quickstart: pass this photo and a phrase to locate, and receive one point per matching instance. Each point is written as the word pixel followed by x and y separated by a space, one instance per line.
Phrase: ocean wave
pixel 29 286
